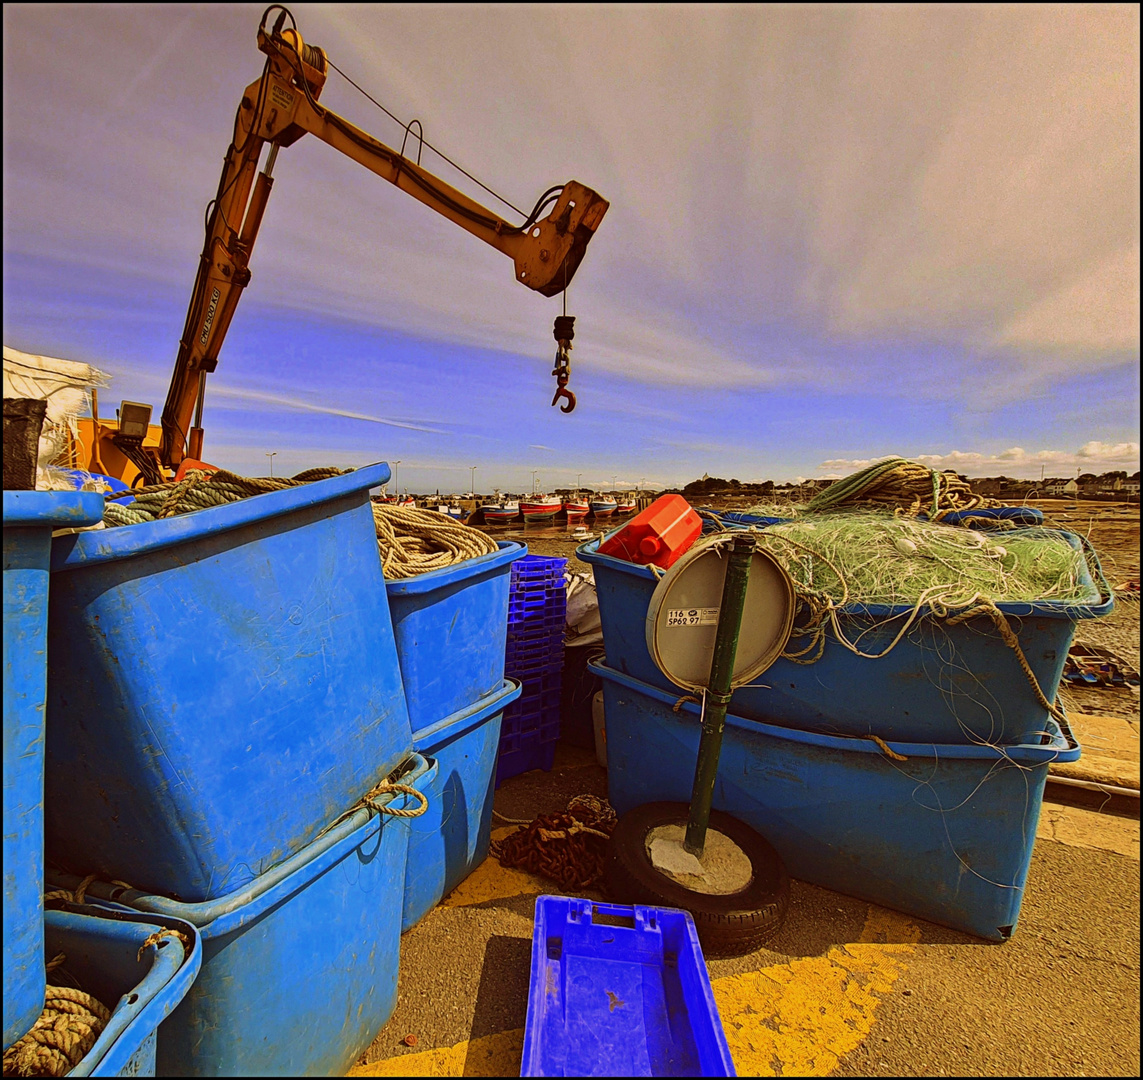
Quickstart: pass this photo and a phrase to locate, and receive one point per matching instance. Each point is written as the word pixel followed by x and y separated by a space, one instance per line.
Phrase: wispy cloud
pixel 238 394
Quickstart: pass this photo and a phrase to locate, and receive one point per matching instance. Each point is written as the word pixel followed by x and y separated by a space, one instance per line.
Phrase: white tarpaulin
pixel 64 384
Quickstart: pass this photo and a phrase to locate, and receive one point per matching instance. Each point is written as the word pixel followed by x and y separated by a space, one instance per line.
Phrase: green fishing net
pixel 858 557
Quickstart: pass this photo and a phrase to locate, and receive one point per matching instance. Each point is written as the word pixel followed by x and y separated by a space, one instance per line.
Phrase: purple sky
pixel 835 234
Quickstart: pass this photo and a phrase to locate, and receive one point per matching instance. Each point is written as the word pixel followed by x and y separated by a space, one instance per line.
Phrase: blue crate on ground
pixel 532 754
pixel 590 959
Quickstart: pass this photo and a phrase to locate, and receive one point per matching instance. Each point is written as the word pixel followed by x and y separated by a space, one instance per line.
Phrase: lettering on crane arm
pixel 282 98
pixel 209 317
pixel 706 616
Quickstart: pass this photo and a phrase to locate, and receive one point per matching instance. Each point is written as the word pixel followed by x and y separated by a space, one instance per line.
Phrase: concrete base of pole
pixel 723 869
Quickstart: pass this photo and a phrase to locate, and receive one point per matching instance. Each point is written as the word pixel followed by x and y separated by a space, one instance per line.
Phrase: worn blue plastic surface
pixel 945 834
pixel 223 684
pixel 29 517
pixel 451 626
pixel 619 991
pixel 299 968
pixel 950 684
pixel 105 957
pixel 451 838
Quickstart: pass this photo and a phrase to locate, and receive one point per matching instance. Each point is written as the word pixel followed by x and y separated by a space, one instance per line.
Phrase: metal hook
pixel 564 392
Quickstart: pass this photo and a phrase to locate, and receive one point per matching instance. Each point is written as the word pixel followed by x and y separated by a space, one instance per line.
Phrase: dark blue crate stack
pixel 537 607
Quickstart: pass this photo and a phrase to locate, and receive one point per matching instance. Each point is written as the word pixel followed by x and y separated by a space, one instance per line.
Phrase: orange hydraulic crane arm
pixel 279 108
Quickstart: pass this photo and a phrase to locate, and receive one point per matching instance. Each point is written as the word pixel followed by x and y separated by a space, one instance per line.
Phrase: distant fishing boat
pixel 603 506
pixel 625 506
pixel 500 510
pixel 576 508
pixel 540 507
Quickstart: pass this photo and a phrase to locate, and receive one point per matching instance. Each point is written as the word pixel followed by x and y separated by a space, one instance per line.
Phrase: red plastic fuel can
pixel 659 534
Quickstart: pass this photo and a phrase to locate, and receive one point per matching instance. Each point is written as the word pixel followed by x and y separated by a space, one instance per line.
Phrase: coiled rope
pixel 410 541
pixel 415 541
pixel 67 1029
pixel 199 491
pixel 907 486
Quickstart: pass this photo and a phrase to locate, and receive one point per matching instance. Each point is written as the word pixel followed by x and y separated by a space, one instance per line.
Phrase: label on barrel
pixel 695 616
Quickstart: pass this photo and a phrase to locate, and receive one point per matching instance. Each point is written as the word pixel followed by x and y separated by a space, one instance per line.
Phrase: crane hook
pixel 563 334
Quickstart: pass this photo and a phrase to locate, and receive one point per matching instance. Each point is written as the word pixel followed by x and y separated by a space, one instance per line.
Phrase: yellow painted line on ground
pixel 492 1055
pixel 491 881
pixel 794 1019
pixel 802 1018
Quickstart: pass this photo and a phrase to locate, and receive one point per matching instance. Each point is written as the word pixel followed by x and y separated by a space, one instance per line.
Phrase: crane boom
pixel 278 109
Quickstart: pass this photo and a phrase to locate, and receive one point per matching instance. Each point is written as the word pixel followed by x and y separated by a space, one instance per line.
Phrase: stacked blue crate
pixel 534 655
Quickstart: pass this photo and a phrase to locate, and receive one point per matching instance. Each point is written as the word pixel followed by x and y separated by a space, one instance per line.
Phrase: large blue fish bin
pixel 29 518
pixel 943 832
pixel 940 683
pixel 223 684
pixel 299 967
pixel 452 837
pixel 452 627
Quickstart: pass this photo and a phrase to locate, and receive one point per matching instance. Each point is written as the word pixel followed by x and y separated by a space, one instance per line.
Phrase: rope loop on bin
pixel 66 1030
pixel 385 788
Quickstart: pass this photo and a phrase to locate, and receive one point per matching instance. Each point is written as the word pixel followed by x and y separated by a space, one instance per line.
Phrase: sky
pixel 836 233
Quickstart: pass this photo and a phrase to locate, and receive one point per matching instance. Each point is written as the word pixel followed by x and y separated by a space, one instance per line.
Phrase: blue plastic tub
pixel 948 684
pixel 222 685
pixel 451 627
pixel 141 986
pixel 29 517
pixel 944 835
pixel 620 991
pixel 299 968
pixel 451 838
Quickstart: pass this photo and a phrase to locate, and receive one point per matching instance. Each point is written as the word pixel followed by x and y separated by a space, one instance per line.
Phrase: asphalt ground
pixel 846 988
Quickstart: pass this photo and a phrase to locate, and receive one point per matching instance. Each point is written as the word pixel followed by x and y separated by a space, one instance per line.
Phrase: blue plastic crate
pixel 299 969
pixel 940 832
pixel 29 517
pixel 529 653
pixel 940 683
pixel 451 626
pixel 202 665
pixel 620 991
pixel 450 839
pixel 531 753
pixel 539 567
pixel 105 956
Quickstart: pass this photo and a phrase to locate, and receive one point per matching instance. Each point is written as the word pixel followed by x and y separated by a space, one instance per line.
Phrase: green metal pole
pixel 719 692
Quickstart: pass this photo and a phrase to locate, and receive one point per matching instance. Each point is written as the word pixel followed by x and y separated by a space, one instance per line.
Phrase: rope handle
pixel 405 789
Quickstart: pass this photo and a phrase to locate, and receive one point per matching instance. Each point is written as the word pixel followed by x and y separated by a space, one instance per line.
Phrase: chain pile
pixel 906 487
pixel 568 848
pixel 414 541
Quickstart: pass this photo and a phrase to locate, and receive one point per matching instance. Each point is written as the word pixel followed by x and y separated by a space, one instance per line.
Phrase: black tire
pixel 728 925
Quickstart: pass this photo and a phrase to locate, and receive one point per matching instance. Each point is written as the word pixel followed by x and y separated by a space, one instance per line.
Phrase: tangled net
pixel 864 557
pixel 568 848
